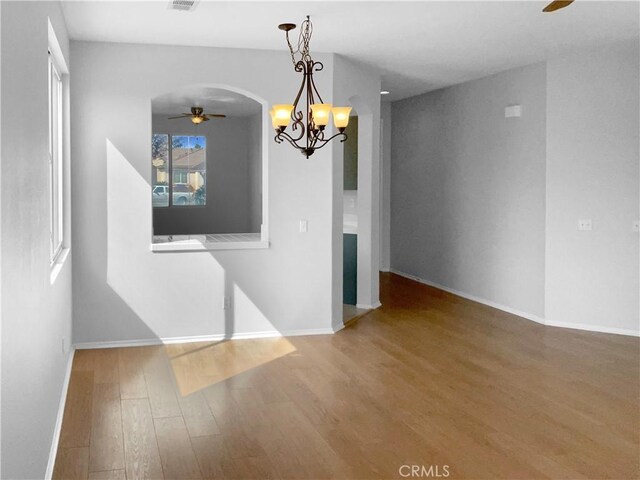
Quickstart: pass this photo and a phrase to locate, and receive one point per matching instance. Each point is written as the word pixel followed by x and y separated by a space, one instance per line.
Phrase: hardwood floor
pixel 429 379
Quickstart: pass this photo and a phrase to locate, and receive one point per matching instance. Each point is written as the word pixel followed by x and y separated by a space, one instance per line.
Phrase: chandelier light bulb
pixel 341 117
pixel 320 113
pixel 281 115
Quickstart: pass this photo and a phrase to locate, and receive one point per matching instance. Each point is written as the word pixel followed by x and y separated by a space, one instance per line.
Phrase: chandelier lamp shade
pixel 310 118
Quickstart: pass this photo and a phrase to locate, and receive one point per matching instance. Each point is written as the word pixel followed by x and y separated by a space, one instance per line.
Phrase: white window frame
pixel 56 161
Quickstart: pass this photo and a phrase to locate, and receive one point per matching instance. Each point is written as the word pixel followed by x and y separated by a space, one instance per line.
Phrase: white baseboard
pixel 202 338
pixel 594 328
pixel 368 307
pixel 519 313
pixel 58 427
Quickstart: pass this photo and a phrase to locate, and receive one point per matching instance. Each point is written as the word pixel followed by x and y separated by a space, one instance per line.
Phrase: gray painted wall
pixel 254 142
pixel 351 155
pixel 468 188
pixel 592 173
pixel 233 158
pixel 36 315
pixel 1 230
pixel 489 206
pixel 385 187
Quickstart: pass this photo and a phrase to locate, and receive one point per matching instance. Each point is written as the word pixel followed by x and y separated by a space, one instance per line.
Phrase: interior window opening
pixel 206 159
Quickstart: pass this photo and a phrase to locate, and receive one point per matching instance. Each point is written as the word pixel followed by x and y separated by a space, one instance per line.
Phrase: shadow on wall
pixel 161 289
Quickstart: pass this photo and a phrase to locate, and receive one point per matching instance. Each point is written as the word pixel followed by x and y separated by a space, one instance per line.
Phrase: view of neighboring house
pixel 179 172
pixel 189 166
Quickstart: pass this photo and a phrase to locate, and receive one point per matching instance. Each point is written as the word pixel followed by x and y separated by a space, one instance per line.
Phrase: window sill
pixel 199 243
pixel 56 266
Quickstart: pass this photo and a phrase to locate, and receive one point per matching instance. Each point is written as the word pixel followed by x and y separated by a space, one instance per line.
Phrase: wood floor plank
pixel 71 464
pixel 197 415
pixel 105 367
pixel 103 362
pixel 427 379
pixel 131 373
pixel 109 475
pixel 252 468
pixel 216 461
pixel 176 452
pixel 76 430
pixel 306 444
pixel 225 409
pixel 142 459
pixel 106 447
pixel 210 453
pixel 161 387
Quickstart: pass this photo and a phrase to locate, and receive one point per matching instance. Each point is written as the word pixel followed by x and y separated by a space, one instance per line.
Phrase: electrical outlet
pixel 635 226
pixel 585 225
pixel 226 303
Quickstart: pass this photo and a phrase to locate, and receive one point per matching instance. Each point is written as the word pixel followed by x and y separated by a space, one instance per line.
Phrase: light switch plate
pixel 304 226
pixel 585 225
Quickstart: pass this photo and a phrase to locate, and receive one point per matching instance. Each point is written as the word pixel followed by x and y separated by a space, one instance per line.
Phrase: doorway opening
pixel 350 223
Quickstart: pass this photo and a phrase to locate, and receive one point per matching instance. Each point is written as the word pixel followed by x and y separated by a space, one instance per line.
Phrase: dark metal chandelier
pixel 308 127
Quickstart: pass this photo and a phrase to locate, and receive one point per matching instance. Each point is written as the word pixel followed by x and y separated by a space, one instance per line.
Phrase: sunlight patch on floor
pixel 200 365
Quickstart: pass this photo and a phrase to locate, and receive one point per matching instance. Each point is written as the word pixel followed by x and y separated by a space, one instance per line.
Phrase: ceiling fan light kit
pixel 311 123
pixel 197 116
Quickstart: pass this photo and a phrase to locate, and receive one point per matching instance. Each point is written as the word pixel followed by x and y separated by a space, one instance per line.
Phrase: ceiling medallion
pixel 308 127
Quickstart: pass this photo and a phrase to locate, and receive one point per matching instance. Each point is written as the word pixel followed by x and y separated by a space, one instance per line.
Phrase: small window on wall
pixel 178 170
pixel 56 226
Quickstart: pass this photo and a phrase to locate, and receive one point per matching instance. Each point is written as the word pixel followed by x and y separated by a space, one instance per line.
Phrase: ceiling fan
pixel 197 115
pixel 557 5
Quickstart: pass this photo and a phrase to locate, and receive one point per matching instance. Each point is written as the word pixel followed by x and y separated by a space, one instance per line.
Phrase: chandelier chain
pixel 304 38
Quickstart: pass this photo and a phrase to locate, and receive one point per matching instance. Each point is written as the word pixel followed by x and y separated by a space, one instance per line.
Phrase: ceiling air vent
pixel 182 5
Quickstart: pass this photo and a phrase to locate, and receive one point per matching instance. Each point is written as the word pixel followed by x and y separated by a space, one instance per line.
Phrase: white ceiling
pixel 213 100
pixel 417 46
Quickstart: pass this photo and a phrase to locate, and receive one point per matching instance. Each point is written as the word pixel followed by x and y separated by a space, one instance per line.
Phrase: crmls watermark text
pixel 424 471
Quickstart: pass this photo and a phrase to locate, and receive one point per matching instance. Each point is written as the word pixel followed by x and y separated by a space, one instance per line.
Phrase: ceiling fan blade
pixel 215 115
pixel 557 5
pixel 179 116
